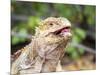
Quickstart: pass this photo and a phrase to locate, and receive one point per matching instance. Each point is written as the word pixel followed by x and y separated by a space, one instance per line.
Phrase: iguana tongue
pixel 65 31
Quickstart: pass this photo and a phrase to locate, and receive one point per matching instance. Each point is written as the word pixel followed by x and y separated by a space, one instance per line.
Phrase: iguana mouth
pixel 62 31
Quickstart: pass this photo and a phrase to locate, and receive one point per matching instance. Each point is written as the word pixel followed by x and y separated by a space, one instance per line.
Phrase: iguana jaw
pixel 65 29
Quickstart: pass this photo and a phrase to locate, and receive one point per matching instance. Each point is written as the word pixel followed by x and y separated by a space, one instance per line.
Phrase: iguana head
pixel 54 30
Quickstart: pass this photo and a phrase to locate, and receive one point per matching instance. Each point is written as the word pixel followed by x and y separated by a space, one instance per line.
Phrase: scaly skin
pixel 46 49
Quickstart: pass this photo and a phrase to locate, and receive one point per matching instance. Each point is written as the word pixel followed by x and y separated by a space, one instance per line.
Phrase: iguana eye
pixel 51 24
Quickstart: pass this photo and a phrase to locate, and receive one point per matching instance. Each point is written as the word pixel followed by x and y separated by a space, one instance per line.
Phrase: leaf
pixel 70 49
pixel 33 21
pixel 76 39
pixel 81 51
pixel 75 55
pixel 15 40
pixel 90 12
pixel 80 32
pixel 23 32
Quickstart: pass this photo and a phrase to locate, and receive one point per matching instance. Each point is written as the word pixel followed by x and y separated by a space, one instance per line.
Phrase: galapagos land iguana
pixel 46 49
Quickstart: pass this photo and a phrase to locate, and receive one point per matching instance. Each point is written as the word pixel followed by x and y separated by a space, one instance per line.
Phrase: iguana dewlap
pixel 46 48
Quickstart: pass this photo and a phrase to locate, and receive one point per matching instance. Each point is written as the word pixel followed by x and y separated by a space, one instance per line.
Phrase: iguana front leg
pixel 25 59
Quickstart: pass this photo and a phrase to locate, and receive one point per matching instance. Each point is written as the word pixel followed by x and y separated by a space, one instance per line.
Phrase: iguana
pixel 46 49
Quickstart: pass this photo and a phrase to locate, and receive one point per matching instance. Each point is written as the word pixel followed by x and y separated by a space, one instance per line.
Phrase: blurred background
pixel 81 54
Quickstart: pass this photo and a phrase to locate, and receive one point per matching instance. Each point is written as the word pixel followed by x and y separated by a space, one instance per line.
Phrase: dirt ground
pixel 86 62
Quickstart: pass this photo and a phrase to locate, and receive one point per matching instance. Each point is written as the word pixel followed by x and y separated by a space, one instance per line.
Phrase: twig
pixel 19 17
pixel 21 35
pixel 88 49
